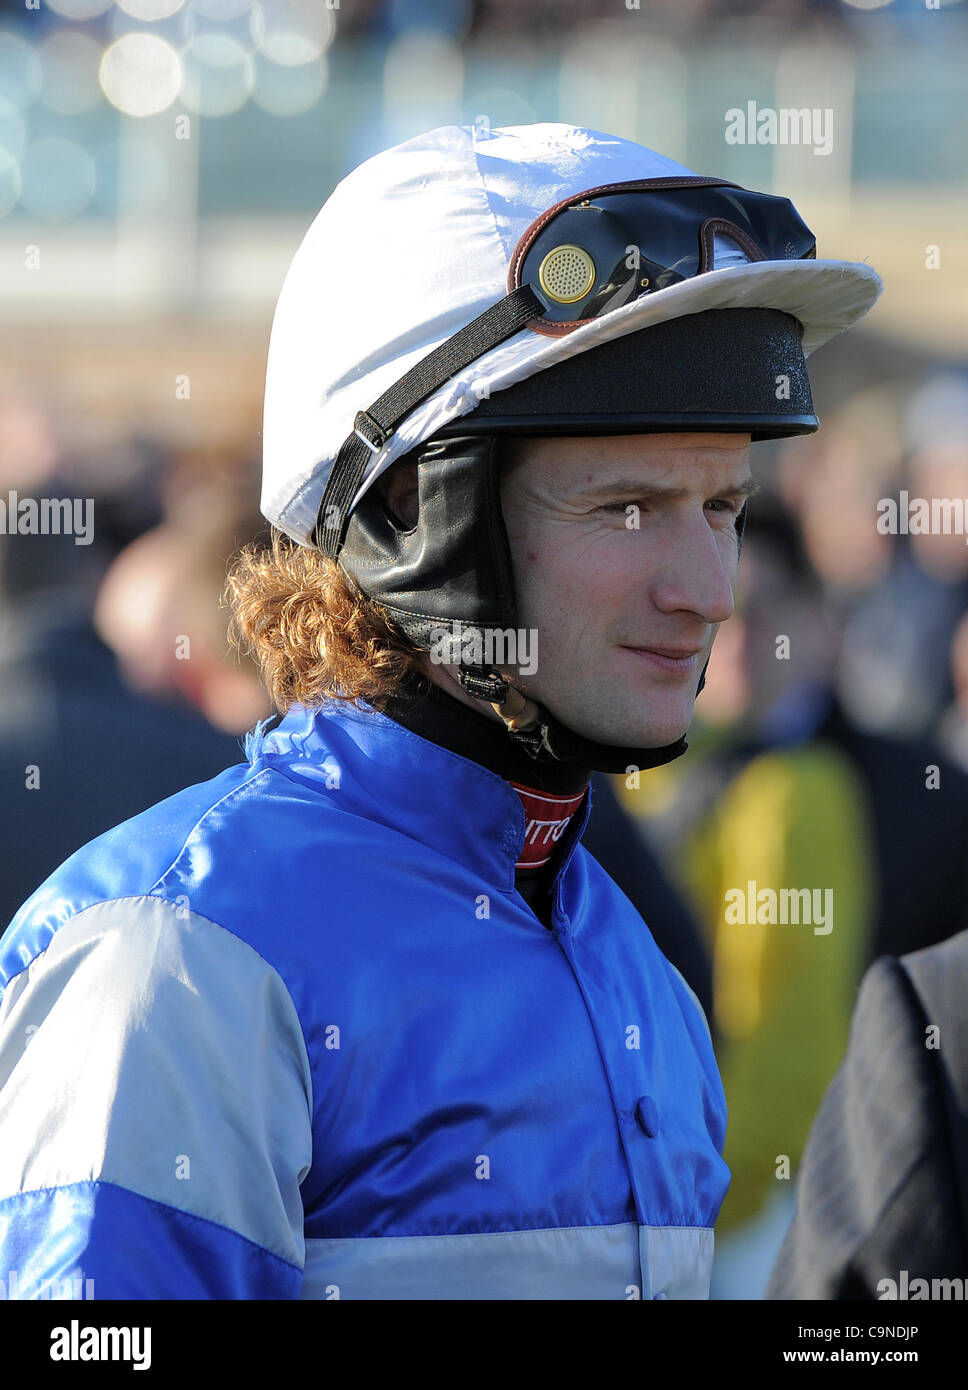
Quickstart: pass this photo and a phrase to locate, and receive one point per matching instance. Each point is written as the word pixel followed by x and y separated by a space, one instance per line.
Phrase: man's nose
pixel 694 572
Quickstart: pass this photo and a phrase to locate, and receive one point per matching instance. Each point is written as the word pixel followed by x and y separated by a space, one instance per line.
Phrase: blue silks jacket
pixel 293 1033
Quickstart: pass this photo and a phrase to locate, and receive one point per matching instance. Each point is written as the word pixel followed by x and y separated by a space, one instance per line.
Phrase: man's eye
pixel 719 504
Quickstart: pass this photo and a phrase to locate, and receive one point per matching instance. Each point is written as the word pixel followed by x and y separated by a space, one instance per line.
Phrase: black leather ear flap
pixel 455 564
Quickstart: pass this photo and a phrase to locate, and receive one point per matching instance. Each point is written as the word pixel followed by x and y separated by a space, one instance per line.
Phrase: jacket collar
pixel 369 765
pixel 440 717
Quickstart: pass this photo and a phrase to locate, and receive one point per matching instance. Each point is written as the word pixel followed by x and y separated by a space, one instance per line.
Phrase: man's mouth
pixel 677 659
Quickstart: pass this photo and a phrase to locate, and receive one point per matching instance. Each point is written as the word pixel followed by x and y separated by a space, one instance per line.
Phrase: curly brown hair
pixel 314 635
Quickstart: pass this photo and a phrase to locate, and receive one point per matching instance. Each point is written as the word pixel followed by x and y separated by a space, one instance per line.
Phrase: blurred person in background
pixel 158 610
pixel 894 674
pixel 101 719
pixel 953 728
pixel 790 813
pixel 882 1191
pixel 831 483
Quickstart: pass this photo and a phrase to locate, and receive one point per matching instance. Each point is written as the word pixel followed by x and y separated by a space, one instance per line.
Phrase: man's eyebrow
pixel 637 488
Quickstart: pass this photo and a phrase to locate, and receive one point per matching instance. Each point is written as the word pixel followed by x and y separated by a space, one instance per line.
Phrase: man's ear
pixel 399 487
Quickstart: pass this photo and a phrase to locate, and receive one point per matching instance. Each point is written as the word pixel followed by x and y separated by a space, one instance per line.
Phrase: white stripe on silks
pixel 145 1035
pixel 624 1262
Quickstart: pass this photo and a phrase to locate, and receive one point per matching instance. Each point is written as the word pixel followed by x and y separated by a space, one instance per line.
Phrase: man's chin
pixel 658 722
pixel 654 737
pixel 629 733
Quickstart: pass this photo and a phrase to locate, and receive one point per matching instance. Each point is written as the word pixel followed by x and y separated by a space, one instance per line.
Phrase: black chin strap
pixel 555 740
pixel 544 738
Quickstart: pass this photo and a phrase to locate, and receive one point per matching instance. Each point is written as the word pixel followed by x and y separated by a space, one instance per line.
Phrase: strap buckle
pixel 364 418
pixel 483 683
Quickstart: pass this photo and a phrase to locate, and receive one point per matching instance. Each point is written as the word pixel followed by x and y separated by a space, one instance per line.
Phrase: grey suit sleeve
pixel 878 1189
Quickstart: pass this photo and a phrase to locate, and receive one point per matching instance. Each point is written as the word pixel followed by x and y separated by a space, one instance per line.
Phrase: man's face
pixel 625 552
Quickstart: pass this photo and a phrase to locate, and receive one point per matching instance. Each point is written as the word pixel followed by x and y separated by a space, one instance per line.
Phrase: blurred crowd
pixel 117 681
pixel 540 16
pixel 512 19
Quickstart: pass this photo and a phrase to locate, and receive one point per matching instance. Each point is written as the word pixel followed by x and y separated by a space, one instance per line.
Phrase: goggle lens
pixel 606 250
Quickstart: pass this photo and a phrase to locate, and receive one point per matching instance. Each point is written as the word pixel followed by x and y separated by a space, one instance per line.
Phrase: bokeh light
pixel 141 74
pixel 289 91
pixel 13 129
pixel 19 70
pixel 292 32
pixel 57 179
pixel 79 10
pixel 219 75
pixel 221 10
pixel 149 10
pixel 176 27
pixel 69 64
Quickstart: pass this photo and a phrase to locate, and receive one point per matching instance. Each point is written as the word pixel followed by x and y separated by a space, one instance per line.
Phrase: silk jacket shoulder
pixel 293 1033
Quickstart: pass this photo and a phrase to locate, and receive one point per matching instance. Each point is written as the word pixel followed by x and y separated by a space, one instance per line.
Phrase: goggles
pixel 618 243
